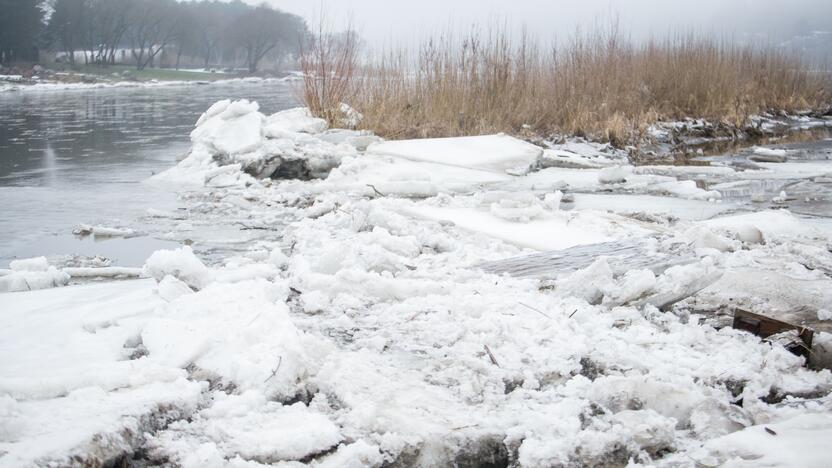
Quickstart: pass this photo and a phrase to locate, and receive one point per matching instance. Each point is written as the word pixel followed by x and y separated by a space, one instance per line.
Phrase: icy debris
pixel 498 153
pixel 777 225
pixel 103 272
pixel 29 264
pixel 684 189
pixel 265 432
pixel 768 155
pixel 298 120
pixel 824 314
pixel 614 175
pixel 234 136
pixel 798 441
pixel 32 280
pixel 553 200
pixel 704 238
pixel 568 159
pixel 181 264
pixel 519 207
pixel 30 274
pixel 102 231
pixel 781 198
pixel 171 288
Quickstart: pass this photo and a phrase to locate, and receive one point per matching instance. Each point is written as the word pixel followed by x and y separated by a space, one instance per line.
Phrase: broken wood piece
pixel 765 327
pixel 491 355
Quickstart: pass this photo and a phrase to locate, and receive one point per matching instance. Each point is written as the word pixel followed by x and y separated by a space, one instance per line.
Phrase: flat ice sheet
pixel 490 152
pixel 549 233
pixel 693 210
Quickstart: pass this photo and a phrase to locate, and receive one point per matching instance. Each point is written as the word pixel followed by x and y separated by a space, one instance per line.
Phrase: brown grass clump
pixel 598 85
pixel 329 63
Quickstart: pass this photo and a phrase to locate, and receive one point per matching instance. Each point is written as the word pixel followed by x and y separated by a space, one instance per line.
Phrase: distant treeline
pixel 104 32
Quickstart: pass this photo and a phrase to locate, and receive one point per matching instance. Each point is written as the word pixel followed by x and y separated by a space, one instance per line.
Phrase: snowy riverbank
pixel 395 311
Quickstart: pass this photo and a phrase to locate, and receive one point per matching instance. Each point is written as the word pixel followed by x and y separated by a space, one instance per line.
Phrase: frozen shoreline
pixel 364 334
pixel 8 87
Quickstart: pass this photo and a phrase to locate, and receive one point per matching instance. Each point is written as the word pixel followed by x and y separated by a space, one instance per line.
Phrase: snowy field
pixel 399 304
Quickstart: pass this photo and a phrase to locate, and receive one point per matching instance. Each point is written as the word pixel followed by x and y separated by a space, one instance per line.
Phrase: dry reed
pixel 598 85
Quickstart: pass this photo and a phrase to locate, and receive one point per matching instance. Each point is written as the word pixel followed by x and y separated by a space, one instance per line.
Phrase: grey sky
pixel 384 21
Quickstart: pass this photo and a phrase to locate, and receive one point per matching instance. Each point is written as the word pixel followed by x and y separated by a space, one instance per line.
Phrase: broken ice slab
pixel 622 256
pixel 497 153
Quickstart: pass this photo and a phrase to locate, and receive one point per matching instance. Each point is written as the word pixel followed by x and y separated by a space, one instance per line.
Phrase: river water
pixel 81 156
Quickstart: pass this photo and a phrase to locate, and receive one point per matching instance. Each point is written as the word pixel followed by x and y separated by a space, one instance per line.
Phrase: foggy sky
pixel 394 21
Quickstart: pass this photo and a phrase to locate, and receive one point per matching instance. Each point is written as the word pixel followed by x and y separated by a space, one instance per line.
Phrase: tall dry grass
pixel 598 84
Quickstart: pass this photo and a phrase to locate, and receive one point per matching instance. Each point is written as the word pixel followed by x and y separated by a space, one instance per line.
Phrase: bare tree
pixel 66 25
pixel 262 30
pixel 153 26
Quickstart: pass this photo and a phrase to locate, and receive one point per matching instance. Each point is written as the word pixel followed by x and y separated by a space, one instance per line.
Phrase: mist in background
pixel 798 23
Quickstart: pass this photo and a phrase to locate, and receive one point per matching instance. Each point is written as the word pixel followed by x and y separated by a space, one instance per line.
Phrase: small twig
pixel 770 431
pixel 253 228
pixel 375 190
pixel 274 372
pixel 491 356
pixel 536 310
pixel 573 313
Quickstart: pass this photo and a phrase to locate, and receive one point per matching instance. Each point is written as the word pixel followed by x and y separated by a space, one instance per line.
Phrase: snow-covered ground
pixel 363 329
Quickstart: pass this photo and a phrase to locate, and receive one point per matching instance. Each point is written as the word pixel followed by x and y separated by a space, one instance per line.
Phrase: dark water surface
pixel 80 156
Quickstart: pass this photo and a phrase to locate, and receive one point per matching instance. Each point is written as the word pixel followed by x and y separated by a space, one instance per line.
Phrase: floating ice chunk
pixel 684 189
pixel 614 175
pixel 779 154
pixel 102 231
pixel 181 264
pixel 29 264
pixel 824 314
pixel 491 152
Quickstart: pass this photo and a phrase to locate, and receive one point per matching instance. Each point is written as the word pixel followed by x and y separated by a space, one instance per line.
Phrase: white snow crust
pixel 364 334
